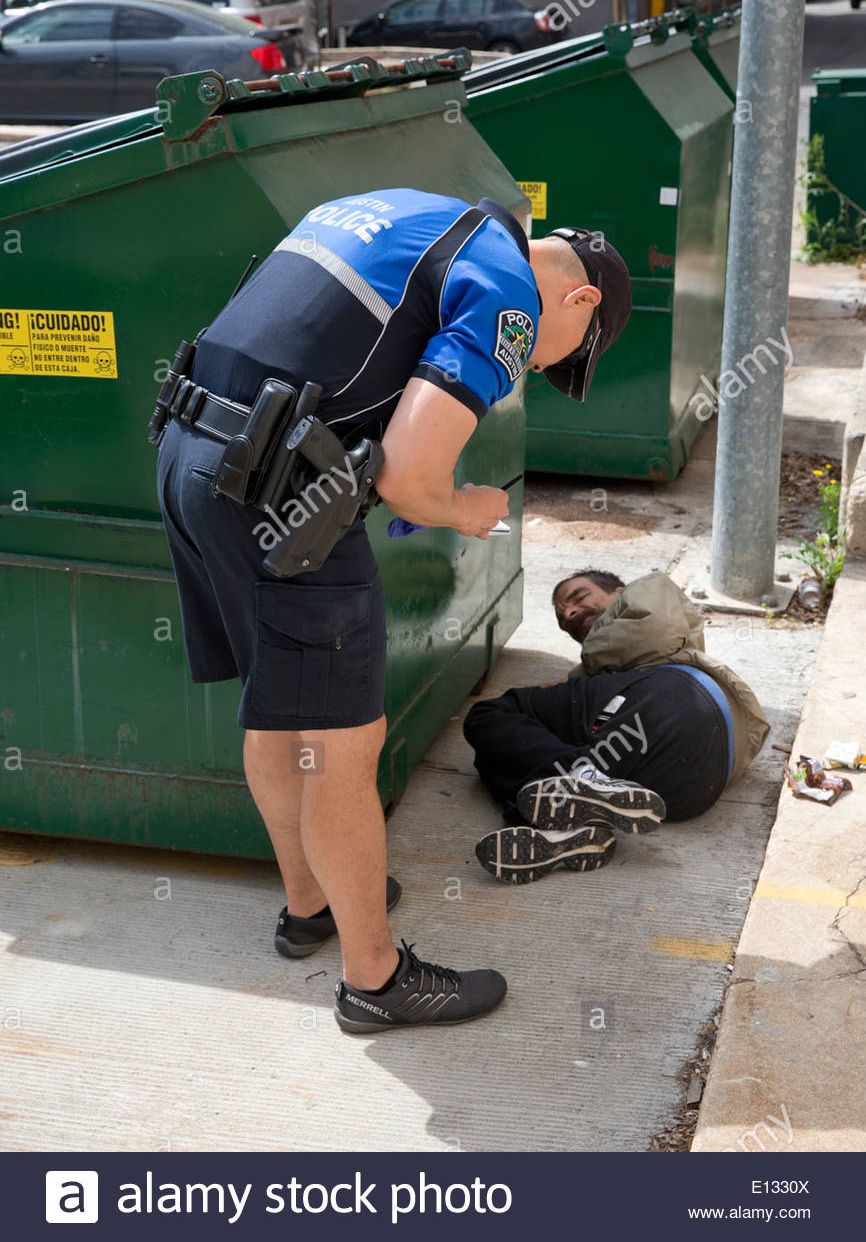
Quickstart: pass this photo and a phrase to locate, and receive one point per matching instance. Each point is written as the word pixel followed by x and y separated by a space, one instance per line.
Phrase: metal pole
pixel 756 303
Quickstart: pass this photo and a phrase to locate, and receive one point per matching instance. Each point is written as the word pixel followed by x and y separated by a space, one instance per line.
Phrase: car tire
pixel 855 4
pixel 505 45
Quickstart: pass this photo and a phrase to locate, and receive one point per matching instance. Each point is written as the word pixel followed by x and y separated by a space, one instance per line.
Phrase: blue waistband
pixel 717 694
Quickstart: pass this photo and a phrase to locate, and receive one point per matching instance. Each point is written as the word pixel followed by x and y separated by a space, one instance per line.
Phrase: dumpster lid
pixel 187 103
pixel 615 40
pixel 839 81
pixel 537 60
pixel 50 149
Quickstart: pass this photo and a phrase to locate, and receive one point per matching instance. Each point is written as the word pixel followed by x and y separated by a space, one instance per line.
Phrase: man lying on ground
pixel 647 727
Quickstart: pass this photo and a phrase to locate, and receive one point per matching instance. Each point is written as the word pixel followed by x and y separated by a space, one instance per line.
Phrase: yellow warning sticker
pixel 58 342
pixel 536 192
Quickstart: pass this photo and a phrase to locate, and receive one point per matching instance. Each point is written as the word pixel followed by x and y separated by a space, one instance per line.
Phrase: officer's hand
pixel 480 508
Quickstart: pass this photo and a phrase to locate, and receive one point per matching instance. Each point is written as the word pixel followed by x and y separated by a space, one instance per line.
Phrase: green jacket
pixel 651 622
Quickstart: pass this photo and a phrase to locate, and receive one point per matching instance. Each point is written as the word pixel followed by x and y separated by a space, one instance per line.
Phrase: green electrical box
pixel 626 133
pixel 118 239
pixel 837 117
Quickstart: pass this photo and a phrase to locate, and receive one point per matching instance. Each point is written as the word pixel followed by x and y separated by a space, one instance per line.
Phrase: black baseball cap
pixel 605 269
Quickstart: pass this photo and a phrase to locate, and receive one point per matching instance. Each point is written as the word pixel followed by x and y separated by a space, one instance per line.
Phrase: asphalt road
pixel 593 17
pixel 835 37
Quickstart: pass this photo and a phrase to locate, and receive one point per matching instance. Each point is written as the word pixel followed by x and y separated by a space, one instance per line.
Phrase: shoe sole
pixel 286 948
pixel 371 1028
pixel 520 855
pixel 564 803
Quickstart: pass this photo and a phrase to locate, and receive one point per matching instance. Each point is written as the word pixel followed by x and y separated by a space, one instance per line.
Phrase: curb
pixel 789 1069
pixel 853 499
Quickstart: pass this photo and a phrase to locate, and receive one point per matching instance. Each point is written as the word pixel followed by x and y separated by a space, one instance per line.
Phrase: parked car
pixel 267 12
pixel 261 12
pixel 299 16
pixel 73 60
pixel 496 25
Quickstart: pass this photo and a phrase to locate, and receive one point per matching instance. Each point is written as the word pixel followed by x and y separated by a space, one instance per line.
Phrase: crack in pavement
pixel 835 925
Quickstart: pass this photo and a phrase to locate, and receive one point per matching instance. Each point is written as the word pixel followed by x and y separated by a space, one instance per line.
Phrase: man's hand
pixel 422 442
pixel 480 509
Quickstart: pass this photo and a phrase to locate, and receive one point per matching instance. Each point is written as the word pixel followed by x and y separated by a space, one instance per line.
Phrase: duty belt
pixel 275 448
pixel 216 416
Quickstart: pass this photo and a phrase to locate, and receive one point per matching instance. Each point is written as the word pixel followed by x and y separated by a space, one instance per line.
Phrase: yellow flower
pixel 818 474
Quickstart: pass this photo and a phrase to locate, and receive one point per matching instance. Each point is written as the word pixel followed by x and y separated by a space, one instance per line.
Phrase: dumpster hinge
pixel 185 103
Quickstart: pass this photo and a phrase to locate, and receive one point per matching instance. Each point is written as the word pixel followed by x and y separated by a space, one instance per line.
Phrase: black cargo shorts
pixel 310 650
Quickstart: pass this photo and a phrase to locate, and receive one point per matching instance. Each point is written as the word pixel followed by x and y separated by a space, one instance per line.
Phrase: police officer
pixel 415 312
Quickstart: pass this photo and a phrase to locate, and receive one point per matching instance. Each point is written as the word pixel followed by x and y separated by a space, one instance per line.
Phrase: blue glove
pixel 398 527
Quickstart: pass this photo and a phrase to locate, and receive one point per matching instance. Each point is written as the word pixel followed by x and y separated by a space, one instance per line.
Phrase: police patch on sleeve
pixel 514 337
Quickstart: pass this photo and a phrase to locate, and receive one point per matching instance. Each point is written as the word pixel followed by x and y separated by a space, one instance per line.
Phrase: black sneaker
pixel 422 994
pixel 573 798
pixel 519 855
pixel 300 937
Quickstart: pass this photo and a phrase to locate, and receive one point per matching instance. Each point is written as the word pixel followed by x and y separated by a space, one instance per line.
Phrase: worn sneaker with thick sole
pixel 296 937
pixel 585 794
pixel 519 855
pixel 422 994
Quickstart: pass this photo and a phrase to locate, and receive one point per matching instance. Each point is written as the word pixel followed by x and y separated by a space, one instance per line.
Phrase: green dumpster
pixel 625 132
pixel 837 158
pixel 716 41
pixel 119 238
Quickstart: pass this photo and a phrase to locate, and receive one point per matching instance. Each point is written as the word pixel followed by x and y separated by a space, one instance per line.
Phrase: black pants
pixel 668 735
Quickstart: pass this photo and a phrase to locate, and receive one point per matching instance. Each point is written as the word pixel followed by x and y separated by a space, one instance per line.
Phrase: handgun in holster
pixel 285 456
pixel 333 488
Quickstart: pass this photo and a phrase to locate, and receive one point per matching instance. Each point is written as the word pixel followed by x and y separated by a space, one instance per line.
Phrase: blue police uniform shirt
pixel 371 289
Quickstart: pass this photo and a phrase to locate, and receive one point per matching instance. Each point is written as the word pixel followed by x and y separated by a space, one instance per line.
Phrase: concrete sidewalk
pixel 827 330
pixel 133 1020
pixel 143 1006
pixel 790 1061
pixel 789 1068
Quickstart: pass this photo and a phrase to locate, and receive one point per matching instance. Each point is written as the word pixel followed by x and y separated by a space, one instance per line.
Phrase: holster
pixel 291 466
pixel 337 487
pixel 284 461
pixel 256 467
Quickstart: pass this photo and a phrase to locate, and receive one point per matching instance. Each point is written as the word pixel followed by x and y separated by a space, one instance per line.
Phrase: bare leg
pixel 343 835
pixel 328 833
pixel 270 759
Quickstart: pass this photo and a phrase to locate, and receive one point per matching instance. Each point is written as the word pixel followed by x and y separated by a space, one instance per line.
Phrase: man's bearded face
pixel 579 603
